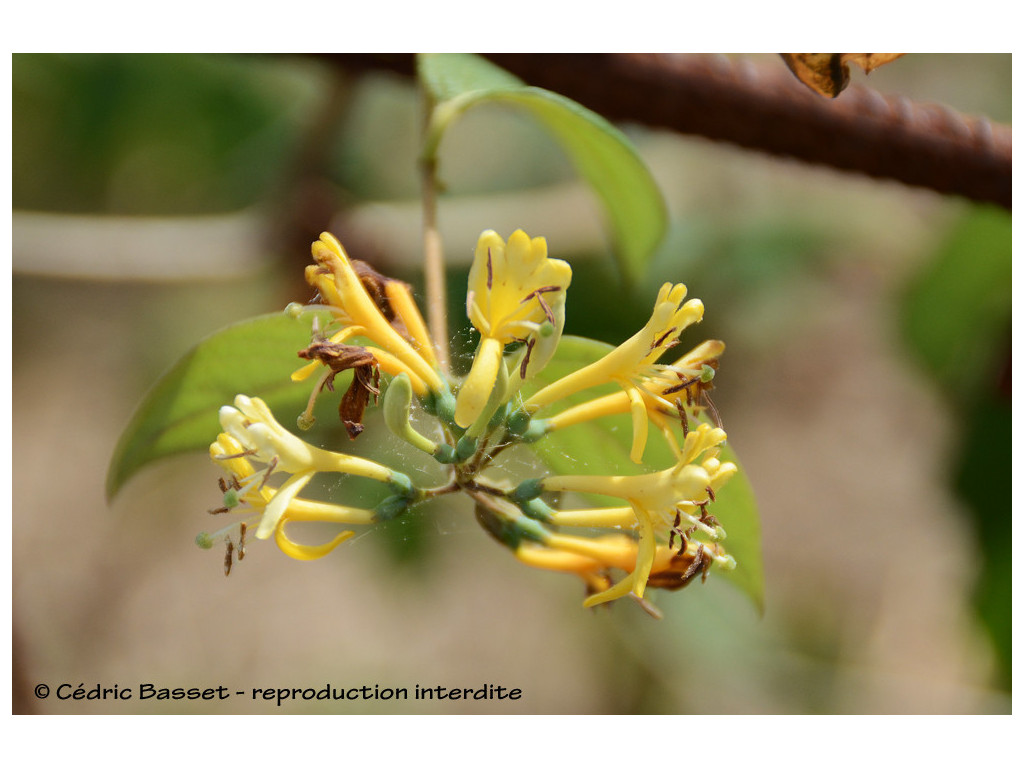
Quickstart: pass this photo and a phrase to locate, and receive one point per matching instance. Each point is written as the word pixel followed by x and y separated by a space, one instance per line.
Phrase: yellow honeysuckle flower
pixel 666 389
pixel 632 363
pixel 659 500
pixel 516 293
pixel 248 493
pixel 345 294
pixel 516 301
pixel 591 558
pixel 685 484
pixel 253 426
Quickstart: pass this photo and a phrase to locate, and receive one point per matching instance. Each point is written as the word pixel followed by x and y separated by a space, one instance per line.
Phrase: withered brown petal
pixel 338 357
pixel 365 382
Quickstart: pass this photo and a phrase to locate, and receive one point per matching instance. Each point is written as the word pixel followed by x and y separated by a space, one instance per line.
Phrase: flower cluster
pixel 655 529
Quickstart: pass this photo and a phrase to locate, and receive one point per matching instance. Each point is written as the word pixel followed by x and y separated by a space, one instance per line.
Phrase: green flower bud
pixel 465 448
pixel 445 454
pixel 396 406
pixel 391 508
pixel 526 490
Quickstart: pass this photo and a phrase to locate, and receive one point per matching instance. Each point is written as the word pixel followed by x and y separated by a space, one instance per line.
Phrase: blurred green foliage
pixel 956 320
pixel 956 313
pixel 152 133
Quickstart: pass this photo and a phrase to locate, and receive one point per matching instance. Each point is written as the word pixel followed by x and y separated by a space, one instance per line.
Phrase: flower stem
pixel 433 253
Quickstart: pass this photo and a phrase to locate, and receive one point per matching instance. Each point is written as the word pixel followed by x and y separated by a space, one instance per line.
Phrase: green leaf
pixel 956 316
pixel 255 357
pixel 602 447
pixel 602 154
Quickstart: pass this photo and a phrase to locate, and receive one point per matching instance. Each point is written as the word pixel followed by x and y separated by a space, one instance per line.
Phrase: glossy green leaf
pixel 601 154
pixel 602 447
pixel 254 357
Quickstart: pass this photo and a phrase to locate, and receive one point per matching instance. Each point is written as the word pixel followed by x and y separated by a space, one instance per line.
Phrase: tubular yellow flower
pixel 633 361
pixel 656 530
pixel 592 558
pixel 683 485
pixel 248 493
pixel 660 388
pixel 666 390
pixel 252 425
pixel 345 293
pixel 660 501
pixel 516 293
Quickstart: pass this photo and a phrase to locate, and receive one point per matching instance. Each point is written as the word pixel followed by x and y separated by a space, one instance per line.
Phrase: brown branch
pixel 767 109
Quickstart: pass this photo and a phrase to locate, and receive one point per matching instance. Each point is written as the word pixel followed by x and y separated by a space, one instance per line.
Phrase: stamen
pixel 684 383
pixel 683 418
pixel 526 359
pixel 648 607
pixel 242 455
pixel 674 529
pixel 229 559
pixel 241 542
pixel 250 483
pixel 268 472
pixel 711 407
pixel 696 565
pixel 306 419
pixel 662 338
pixel 540 300
pixel 696 523
pixel 546 309
pixel 490 270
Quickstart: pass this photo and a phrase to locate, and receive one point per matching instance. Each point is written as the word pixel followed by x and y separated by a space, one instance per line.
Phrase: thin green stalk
pixel 433 252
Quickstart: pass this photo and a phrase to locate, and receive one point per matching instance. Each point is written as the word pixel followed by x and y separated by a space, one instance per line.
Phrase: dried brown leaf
pixel 829 73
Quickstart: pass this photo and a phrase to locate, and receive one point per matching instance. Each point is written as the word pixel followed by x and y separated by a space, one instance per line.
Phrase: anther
pixel 526 359
pixel 268 472
pixel 683 418
pixel 661 339
pixel 540 300
pixel 711 407
pixel 242 455
pixel 675 528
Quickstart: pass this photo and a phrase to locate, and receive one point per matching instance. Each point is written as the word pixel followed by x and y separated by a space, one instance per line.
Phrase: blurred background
pixel 865 386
